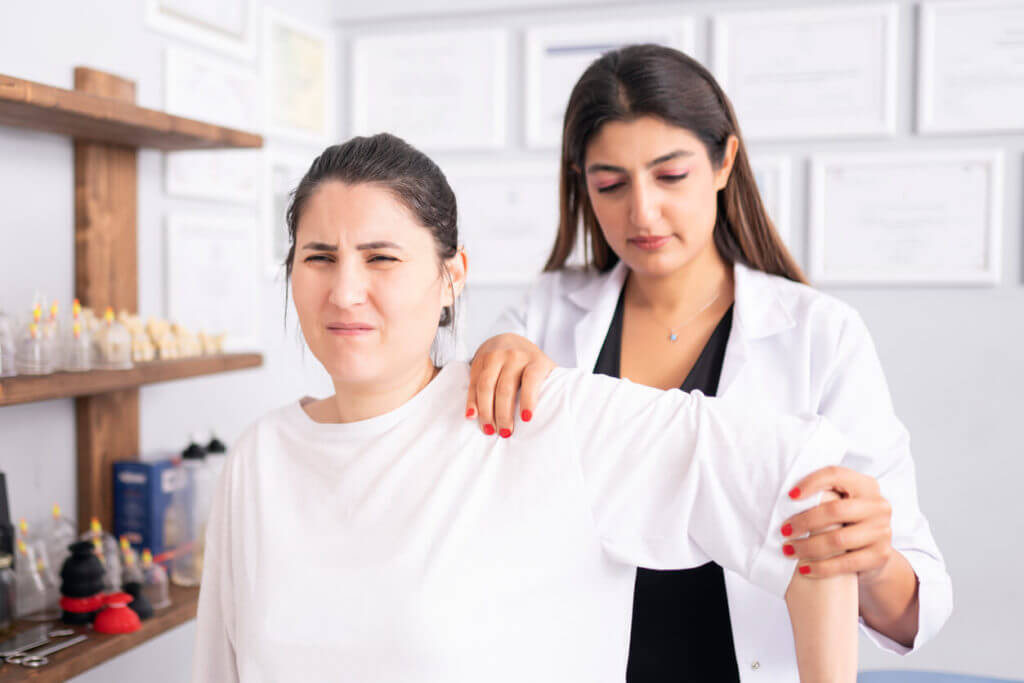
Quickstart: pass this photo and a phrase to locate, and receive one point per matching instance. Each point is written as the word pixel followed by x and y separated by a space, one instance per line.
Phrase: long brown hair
pixel 651 80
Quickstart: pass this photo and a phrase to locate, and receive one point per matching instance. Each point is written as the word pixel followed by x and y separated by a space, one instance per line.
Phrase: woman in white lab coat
pixel 688 285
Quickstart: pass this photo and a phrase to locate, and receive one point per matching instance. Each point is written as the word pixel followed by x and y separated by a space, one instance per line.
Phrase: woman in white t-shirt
pixel 376 535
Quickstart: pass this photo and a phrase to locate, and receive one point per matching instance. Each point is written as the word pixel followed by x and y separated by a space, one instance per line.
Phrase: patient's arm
pixel 824 616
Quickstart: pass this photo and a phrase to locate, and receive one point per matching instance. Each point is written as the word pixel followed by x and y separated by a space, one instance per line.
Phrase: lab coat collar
pixel 758 313
pixel 758 310
pixel 598 297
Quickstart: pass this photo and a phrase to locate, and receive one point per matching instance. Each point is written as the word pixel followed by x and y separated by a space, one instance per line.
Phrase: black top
pixel 681 629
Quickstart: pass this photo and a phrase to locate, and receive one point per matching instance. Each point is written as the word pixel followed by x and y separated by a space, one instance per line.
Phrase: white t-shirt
pixel 412 547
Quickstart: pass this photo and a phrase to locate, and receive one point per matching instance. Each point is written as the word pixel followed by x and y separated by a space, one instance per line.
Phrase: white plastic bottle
pixel 193 506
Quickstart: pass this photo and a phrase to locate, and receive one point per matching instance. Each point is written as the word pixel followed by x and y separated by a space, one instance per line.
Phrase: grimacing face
pixel 366 283
pixel 654 189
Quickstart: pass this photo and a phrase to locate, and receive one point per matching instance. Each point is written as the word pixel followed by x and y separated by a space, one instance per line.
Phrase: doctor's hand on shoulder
pixel 505 367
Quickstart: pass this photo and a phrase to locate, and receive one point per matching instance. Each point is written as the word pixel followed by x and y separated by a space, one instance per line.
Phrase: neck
pixel 683 290
pixel 362 401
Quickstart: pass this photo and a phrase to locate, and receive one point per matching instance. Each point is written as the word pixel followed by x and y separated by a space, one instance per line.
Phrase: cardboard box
pixel 142 494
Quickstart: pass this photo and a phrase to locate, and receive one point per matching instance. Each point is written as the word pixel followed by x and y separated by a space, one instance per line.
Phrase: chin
pixel 657 265
pixel 349 367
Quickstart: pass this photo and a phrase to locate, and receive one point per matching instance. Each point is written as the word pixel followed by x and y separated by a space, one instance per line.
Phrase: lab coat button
pixel 755 665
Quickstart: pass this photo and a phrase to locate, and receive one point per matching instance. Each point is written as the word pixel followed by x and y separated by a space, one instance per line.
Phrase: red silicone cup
pixel 82 605
pixel 117 617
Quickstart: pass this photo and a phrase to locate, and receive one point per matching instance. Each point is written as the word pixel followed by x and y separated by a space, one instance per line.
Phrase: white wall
pixel 44 42
pixel 954 357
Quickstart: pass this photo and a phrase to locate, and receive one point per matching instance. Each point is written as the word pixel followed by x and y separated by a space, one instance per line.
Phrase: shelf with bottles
pixel 98 647
pixel 46 356
pixel 92 579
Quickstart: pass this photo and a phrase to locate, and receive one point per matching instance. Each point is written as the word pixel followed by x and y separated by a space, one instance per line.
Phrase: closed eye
pixel 380 258
pixel 319 257
pixel 610 188
pixel 673 178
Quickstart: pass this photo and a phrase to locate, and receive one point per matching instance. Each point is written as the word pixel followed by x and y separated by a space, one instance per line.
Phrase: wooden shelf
pixel 28 388
pixel 100 647
pixel 95 118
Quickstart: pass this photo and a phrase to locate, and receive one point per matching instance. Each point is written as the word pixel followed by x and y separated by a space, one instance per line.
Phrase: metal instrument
pixel 39 657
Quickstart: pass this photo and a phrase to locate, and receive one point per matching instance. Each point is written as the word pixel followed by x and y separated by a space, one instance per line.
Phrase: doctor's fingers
pixel 842 511
pixel 841 540
pixel 505 392
pixel 846 482
pixel 863 560
pixel 485 371
pixel 475 368
pixel 536 371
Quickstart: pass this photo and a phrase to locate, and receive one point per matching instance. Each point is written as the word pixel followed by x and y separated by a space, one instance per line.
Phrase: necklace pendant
pixel 672 336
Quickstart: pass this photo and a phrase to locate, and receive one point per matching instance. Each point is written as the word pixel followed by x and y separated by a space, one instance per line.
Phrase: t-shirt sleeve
pixel 214 655
pixel 676 478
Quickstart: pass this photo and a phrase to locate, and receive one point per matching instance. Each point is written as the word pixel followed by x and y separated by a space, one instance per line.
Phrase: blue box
pixel 142 494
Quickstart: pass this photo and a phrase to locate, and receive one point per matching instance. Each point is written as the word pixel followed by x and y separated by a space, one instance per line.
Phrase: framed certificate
pixel 508 217
pixel 298 68
pixel 199 86
pixel 438 91
pixel 809 73
pixel 282 171
pixel 971 65
pixel 556 56
pixel 922 218
pixel 211 275
pixel 773 175
pixel 226 25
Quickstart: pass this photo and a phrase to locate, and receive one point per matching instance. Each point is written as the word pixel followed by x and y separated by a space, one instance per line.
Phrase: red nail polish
pixel 505 433
pixel 488 429
pixel 787 529
pixel 527 416
pixel 788 550
pixel 805 570
pixel 470 412
pixel 795 493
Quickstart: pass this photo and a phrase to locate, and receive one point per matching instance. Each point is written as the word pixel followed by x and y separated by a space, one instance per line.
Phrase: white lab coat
pixel 792 350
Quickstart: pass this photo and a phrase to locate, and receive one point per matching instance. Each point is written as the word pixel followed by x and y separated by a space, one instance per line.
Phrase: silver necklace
pixel 672 336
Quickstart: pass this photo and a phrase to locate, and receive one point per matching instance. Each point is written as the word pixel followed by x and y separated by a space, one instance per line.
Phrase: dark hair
pixel 651 80
pixel 390 162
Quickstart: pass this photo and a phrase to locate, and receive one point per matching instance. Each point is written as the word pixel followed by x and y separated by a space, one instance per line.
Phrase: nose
pixel 643 205
pixel 349 285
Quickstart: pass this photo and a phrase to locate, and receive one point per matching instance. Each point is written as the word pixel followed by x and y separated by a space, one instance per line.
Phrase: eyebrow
pixel 593 168
pixel 366 246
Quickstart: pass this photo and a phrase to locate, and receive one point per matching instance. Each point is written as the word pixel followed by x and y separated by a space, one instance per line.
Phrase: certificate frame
pixel 777 199
pixel 518 176
pixel 929 115
pixel 883 122
pixel 223 175
pixel 677 31
pixel 273 249
pixel 180 23
pixel 195 243
pixel 218 175
pixel 491 46
pixel 275 72
pixel 992 204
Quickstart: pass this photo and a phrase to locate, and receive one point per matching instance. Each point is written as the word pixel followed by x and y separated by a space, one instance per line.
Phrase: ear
pixel 457 267
pixel 732 145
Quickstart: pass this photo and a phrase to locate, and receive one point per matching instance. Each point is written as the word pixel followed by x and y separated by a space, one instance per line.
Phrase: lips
pixel 349 329
pixel 649 243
